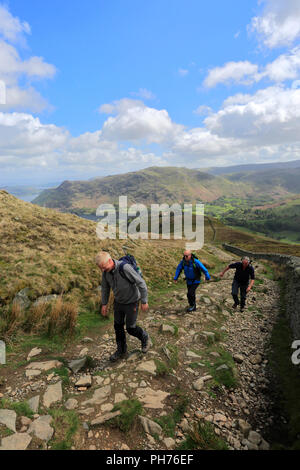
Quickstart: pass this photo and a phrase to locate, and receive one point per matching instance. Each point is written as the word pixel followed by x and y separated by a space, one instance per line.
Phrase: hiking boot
pixel 192 308
pixel 120 353
pixel 235 306
pixel 146 343
pixel 242 309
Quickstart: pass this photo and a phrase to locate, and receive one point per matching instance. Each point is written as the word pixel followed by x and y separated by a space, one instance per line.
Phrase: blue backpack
pixel 129 259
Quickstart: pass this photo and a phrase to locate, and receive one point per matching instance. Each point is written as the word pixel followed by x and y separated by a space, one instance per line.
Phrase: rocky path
pixel 210 366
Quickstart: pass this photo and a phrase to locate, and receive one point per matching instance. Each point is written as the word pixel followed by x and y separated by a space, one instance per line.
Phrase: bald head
pixel 187 255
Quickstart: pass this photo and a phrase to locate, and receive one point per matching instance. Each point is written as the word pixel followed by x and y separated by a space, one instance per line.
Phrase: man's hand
pixel 175 280
pixel 221 274
pixel 248 289
pixel 104 312
pixel 145 307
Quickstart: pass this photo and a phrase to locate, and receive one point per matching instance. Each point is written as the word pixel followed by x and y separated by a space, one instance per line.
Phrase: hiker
pixel 128 288
pixel 192 269
pixel 243 272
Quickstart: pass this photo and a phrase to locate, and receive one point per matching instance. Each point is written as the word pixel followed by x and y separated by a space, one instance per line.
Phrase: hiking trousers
pixel 126 313
pixel 235 291
pixel 191 294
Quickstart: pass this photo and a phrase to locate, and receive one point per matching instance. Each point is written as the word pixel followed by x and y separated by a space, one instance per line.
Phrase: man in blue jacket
pixel 192 269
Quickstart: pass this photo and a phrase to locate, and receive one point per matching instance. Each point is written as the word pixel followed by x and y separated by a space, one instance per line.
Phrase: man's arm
pixel 105 291
pixel 230 266
pixel 178 270
pixel 203 269
pixel 251 282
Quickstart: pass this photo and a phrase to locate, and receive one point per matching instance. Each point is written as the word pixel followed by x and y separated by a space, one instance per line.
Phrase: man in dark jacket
pixel 243 272
pixel 128 288
pixel 192 269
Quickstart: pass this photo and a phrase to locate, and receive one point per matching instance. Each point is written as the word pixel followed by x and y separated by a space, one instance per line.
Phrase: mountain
pixel 251 167
pixel 152 185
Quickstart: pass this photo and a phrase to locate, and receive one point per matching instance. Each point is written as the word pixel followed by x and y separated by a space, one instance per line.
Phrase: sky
pixel 95 88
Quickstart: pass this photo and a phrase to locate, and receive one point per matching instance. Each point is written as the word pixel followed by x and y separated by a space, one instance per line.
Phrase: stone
pixel 22 299
pixel 147 366
pixel 8 418
pixel 184 425
pixel 106 417
pixel 124 447
pixel 264 445
pixel 87 340
pixel 83 352
pixel 149 426
pixel 167 329
pixel 2 354
pixel 254 437
pixel 169 442
pixel 86 411
pixel 32 373
pixel 151 398
pixel 45 299
pixel 47 365
pixel 53 394
pixel 238 358
pixel 71 404
pixel 193 355
pixel 84 381
pixel 34 352
pixel 198 384
pixel 34 403
pixel 100 396
pixel 41 428
pixel 120 397
pixel 77 364
pixel 106 407
pixel 18 441
pixel 219 417
pixel 25 421
pixel 256 359
pixel 244 427
pixel 222 367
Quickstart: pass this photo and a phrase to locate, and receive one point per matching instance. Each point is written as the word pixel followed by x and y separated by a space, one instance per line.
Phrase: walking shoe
pixel 235 306
pixel 242 309
pixel 192 308
pixel 146 343
pixel 120 353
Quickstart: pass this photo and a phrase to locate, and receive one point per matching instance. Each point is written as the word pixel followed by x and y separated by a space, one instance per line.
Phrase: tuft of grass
pixel 129 410
pixel 169 422
pixel 161 368
pixel 21 408
pixel 65 424
pixel 203 437
pixel 227 377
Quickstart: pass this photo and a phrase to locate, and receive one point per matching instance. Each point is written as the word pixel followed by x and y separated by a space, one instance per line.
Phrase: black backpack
pixel 197 270
pixel 129 259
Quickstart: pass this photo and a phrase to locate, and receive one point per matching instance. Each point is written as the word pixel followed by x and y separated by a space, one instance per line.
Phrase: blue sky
pixel 102 87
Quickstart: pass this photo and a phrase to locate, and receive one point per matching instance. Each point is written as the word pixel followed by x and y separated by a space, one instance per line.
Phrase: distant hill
pixel 152 185
pixel 251 167
pixel 286 178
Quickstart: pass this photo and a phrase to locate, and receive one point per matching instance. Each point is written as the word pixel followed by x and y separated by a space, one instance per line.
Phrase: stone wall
pixel 292 265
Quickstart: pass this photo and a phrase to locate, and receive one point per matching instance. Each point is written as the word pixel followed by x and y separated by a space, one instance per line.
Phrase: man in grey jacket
pixel 128 290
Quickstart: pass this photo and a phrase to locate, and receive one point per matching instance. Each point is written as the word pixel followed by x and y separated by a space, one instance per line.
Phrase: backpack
pixel 197 270
pixel 129 259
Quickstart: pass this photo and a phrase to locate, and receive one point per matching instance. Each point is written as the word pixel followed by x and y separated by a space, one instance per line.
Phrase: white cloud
pixel 239 72
pixel 269 117
pixel 11 28
pixel 203 110
pixel 285 67
pixel 136 122
pixel 279 24
pixel 13 69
